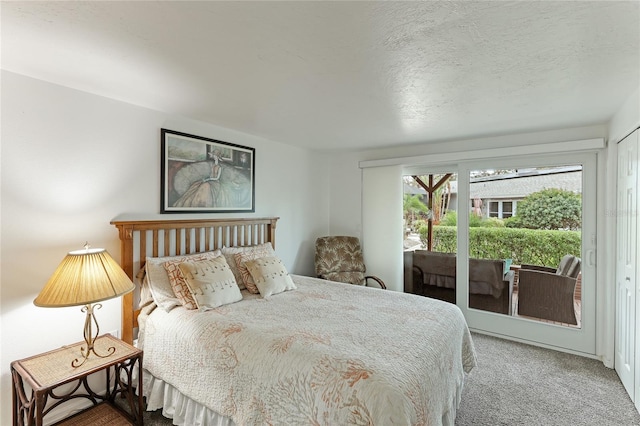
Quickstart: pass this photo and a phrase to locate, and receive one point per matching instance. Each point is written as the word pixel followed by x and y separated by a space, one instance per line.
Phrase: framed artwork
pixel 202 175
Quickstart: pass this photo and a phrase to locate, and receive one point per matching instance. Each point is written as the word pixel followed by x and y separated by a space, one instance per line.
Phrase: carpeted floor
pixel 518 384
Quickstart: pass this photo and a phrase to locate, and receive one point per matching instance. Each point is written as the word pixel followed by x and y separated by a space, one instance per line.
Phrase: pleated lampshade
pixel 84 277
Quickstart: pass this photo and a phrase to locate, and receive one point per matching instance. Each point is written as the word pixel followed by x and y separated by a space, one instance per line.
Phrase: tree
pixel 551 209
pixel 413 206
pixel 441 197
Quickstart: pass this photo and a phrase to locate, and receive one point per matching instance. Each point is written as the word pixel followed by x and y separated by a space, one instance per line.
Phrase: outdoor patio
pixel 413 241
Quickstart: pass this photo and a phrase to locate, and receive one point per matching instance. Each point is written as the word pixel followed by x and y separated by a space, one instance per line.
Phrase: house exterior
pixel 498 195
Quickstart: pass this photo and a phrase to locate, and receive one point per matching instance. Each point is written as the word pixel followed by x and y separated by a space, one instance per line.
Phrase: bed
pixel 316 352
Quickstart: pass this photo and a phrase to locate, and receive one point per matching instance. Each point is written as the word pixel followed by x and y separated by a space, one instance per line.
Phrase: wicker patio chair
pixel 339 258
pixel 548 293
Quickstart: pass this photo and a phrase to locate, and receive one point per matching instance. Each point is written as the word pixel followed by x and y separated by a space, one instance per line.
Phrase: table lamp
pixel 85 277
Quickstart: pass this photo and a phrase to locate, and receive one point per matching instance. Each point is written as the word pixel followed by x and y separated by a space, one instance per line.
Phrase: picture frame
pixel 203 175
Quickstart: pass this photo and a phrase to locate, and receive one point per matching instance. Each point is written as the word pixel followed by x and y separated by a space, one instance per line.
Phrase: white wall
pixel 381 199
pixel 72 161
pixel 626 119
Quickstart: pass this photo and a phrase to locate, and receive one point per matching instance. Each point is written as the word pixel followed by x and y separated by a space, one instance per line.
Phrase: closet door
pixel 626 279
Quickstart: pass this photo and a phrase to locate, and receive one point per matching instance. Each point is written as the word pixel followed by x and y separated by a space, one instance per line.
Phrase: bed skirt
pixel 176 406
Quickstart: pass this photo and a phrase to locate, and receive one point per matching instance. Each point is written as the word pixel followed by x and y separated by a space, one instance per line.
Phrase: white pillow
pixel 159 283
pixel 270 276
pixel 211 282
pixel 230 252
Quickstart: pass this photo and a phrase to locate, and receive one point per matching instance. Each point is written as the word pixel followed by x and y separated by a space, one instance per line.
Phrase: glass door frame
pixel 578 340
pixel 581 340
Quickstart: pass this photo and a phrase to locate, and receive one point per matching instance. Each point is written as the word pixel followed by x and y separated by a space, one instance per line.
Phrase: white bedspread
pixel 324 354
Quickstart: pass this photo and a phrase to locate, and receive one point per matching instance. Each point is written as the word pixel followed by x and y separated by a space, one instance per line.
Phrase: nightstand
pixel 46 372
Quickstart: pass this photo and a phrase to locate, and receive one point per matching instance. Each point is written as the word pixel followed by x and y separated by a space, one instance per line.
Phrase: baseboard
pixel 541 345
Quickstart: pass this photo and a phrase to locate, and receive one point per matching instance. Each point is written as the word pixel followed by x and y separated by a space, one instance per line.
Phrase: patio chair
pixel 339 258
pixel 548 293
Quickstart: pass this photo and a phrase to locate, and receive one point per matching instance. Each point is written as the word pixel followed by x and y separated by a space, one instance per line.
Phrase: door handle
pixel 590 258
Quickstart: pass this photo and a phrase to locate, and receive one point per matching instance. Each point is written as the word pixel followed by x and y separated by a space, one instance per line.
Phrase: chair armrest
pixel 376 279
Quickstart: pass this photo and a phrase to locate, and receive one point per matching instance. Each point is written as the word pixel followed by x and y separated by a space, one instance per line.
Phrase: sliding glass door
pixel 512 242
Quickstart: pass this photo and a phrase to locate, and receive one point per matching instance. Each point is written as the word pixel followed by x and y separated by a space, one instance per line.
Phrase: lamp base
pixel 89 338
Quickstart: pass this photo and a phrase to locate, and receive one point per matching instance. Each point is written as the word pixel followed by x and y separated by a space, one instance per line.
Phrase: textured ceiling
pixel 341 75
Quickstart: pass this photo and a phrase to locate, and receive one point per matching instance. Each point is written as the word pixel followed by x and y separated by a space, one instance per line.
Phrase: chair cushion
pixel 569 266
pixel 338 254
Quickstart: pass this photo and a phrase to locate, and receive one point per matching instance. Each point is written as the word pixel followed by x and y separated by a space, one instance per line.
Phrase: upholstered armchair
pixel 339 258
pixel 548 293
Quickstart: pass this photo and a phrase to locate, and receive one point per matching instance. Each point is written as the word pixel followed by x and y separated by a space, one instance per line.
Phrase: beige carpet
pixel 517 384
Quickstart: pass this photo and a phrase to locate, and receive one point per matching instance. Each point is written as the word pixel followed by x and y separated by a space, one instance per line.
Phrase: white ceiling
pixel 341 75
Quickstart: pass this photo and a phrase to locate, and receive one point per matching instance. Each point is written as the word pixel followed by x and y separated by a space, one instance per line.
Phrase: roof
pixel 518 184
pixel 515 186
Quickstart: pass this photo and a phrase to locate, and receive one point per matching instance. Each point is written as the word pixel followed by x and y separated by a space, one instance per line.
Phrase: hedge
pixel 524 246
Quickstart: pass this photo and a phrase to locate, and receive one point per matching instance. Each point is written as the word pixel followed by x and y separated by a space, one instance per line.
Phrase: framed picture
pixel 202 175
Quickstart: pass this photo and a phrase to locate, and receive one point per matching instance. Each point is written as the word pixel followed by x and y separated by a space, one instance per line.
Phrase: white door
pixel 627 204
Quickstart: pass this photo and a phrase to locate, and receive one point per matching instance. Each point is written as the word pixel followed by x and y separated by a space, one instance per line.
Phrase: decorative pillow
pixel 211 282
pixel 270 276
pixel 159 283
pixel 230 252
pixel 245 256
pixel 179 283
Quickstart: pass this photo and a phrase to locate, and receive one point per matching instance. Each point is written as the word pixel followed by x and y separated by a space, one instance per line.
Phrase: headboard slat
pixel 177 238
pixel 154 243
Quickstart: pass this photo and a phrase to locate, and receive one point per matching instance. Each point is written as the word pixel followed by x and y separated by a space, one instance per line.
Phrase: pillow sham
pixel 142 282
pixel 230 252
pixel 159 283
pixel 245 256
pixel 211 282
pixel 270 276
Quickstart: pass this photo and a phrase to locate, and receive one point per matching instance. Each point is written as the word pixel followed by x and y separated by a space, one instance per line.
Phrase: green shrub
pixel 513 222
pixel 551 208
pixel 528 246
pixel 493 222
pixel 450 219
pixel 475 221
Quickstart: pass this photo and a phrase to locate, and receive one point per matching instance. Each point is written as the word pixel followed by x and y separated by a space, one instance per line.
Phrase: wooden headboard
pixel 153 238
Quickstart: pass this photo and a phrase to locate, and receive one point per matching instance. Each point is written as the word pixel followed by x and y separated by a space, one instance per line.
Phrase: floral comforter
pixel 324 354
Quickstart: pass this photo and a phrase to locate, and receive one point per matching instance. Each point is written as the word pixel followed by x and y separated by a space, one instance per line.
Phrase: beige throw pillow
pixel 159 282
pixel 178 281
pixel 230 252
pixel 245 256
pixel 211 282
pixel 270 276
